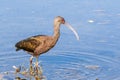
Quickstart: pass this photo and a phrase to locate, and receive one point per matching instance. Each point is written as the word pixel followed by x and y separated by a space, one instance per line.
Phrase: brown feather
pixel 29 44
pixel 40 44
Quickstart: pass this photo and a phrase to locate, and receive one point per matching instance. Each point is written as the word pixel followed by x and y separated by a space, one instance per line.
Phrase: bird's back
pixel 36 45
pixel 29 44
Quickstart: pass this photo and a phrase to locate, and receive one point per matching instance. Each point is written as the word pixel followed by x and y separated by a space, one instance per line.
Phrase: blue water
pixel 96 55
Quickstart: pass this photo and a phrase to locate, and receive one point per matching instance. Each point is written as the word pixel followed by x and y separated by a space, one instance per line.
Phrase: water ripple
pixel 82 66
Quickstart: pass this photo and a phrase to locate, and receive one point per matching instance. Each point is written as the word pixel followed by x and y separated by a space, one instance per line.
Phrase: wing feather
pixel 29 44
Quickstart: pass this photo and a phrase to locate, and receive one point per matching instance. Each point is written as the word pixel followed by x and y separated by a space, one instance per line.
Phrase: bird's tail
pixel 17 49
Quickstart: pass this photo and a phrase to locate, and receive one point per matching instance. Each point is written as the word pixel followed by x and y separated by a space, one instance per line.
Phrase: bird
pixel 39 44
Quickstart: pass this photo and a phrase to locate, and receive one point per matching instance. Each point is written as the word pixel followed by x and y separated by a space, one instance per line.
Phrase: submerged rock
pixel 93 67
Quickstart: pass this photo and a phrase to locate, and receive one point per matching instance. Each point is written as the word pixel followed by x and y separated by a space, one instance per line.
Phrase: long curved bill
pixel 72 29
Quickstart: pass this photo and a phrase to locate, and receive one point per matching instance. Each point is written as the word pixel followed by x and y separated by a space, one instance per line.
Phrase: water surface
pixel 96 55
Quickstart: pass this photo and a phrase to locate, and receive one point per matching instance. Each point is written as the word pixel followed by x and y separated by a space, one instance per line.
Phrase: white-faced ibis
pixel 37 45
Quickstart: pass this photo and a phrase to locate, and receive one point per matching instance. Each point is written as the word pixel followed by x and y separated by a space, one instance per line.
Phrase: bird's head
pixel 60 20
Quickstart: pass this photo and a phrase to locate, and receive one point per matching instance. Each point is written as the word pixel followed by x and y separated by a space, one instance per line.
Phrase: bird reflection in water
pixel 23 73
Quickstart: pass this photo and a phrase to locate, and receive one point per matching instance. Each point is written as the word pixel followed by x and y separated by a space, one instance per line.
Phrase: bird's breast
pixel 45 46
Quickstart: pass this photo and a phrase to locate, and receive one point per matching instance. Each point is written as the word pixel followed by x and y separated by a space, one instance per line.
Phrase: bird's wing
pixel 29 44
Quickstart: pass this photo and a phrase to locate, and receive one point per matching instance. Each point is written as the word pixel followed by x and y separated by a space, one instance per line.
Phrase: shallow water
pixel 96 55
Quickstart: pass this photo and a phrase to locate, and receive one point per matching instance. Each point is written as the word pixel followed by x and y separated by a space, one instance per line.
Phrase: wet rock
pixel 93 67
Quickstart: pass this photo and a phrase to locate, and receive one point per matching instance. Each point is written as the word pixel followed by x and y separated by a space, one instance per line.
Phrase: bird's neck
pixel 56 33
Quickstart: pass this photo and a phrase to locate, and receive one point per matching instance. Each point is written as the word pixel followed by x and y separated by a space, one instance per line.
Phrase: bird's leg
pixel 37 64
pixel 38 70
pixel 31 68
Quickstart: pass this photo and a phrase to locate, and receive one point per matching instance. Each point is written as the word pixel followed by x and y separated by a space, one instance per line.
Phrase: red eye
pixel 63 21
